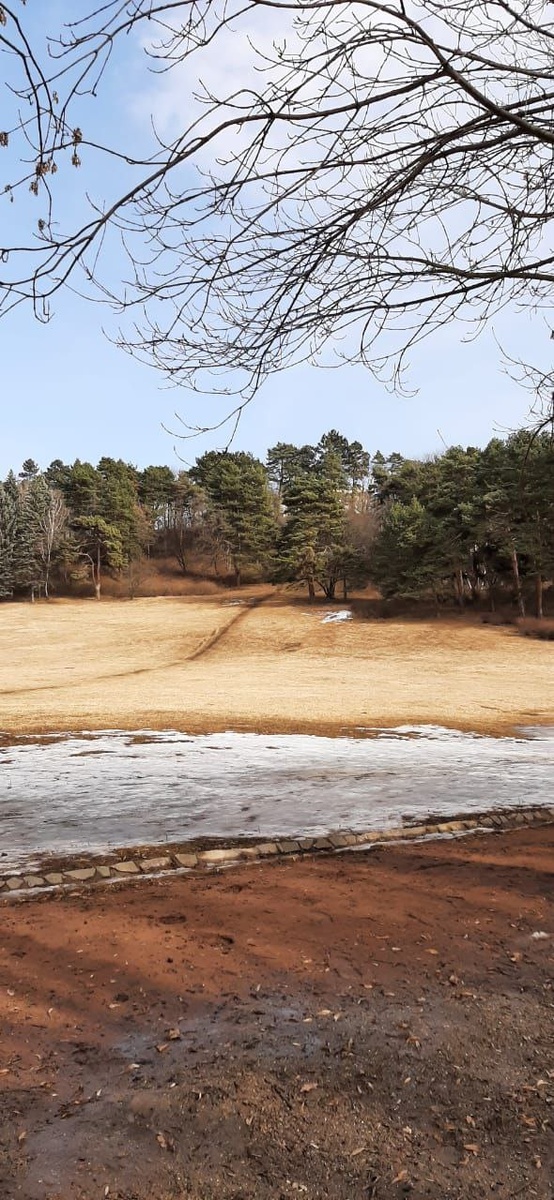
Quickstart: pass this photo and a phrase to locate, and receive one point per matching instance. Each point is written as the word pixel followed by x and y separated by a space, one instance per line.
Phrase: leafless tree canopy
pixel 389 168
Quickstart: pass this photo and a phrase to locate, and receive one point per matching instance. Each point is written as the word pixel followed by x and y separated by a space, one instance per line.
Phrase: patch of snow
pixel 118 788
pixel 343 614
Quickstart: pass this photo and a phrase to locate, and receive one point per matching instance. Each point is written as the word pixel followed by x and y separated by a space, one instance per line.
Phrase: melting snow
pixel 118 788
pixel 343 614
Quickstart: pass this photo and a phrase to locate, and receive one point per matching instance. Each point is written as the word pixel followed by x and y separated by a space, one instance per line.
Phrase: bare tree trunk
pixel 47 573
pixel 311 590
pixel 459 586
pixel 517 582
pixel 96 575
pixel 538 595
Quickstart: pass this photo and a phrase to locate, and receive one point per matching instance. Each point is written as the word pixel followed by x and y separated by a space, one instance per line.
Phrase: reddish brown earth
pixel 371 1025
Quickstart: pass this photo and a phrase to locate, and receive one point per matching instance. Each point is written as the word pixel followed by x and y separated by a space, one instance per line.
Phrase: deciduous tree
pixel 389 168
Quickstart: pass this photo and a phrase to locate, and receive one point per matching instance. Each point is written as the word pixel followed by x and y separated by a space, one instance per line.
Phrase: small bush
pixel 534 628
pixel 498 619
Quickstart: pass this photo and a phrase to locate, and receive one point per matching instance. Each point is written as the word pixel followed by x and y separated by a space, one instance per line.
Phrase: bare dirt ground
pixel 375 1025
pixel 372 1025
pixel 209 664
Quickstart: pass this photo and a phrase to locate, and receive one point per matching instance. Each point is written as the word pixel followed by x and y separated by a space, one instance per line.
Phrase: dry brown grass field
pixel 206 663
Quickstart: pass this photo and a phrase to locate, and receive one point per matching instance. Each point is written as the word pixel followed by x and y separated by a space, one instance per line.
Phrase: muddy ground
pixel 371 1025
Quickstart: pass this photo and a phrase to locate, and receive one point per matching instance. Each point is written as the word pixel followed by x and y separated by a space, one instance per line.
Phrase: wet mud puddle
pixel 95 792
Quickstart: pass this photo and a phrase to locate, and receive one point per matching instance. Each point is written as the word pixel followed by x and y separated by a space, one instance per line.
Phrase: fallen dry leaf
pixel 471 1147
pixel 161 1047
pixel 402 1175
pixel 173 1035
pixel 308 1087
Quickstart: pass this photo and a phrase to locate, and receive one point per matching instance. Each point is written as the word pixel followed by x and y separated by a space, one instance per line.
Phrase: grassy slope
pixel 199 663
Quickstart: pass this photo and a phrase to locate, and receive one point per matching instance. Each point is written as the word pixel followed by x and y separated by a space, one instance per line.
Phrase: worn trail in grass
pixel 189 664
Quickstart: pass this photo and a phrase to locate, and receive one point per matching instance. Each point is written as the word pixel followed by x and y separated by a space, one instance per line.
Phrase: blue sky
pixel 68 392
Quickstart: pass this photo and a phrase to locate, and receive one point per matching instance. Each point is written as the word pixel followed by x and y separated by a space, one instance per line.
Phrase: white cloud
pixel 232 62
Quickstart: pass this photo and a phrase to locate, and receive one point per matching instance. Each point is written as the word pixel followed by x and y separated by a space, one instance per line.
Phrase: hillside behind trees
pixel 467 526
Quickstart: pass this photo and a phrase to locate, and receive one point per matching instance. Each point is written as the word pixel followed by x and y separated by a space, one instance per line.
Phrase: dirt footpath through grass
pixel 206 664
pixel 373 1025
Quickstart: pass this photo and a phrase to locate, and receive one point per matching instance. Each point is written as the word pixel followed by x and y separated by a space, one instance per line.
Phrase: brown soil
pixel 202 664
pixel 371 1025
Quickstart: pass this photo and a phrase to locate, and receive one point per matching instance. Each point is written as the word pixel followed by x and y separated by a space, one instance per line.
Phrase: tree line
pixel 465 525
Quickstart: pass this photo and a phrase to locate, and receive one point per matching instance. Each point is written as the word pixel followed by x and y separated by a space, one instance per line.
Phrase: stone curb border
pixel 14 885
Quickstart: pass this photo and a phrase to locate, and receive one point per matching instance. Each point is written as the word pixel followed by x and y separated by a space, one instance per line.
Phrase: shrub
pixel 532 627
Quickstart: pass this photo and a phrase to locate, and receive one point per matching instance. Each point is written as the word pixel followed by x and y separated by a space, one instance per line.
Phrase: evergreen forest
pixel 469 526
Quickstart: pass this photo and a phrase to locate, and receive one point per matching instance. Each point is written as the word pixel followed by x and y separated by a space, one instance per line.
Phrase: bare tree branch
pixel 389 169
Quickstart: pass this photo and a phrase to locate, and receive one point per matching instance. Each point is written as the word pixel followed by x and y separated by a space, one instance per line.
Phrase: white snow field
pixel 96 791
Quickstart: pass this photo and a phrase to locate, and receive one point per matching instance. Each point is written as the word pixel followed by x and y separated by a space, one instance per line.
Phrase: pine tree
pixel 156 493
pixel 189 526
pixel 29 470
pixel 240 507
pixel 285 461
pixel 536 489
pixel 118 504
pixel 313 544
pixel 8 534
pixel 410 556
pixel 101 546
pixel 26 565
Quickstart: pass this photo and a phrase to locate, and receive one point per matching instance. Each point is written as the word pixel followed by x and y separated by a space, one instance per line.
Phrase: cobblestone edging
pixel 187 859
